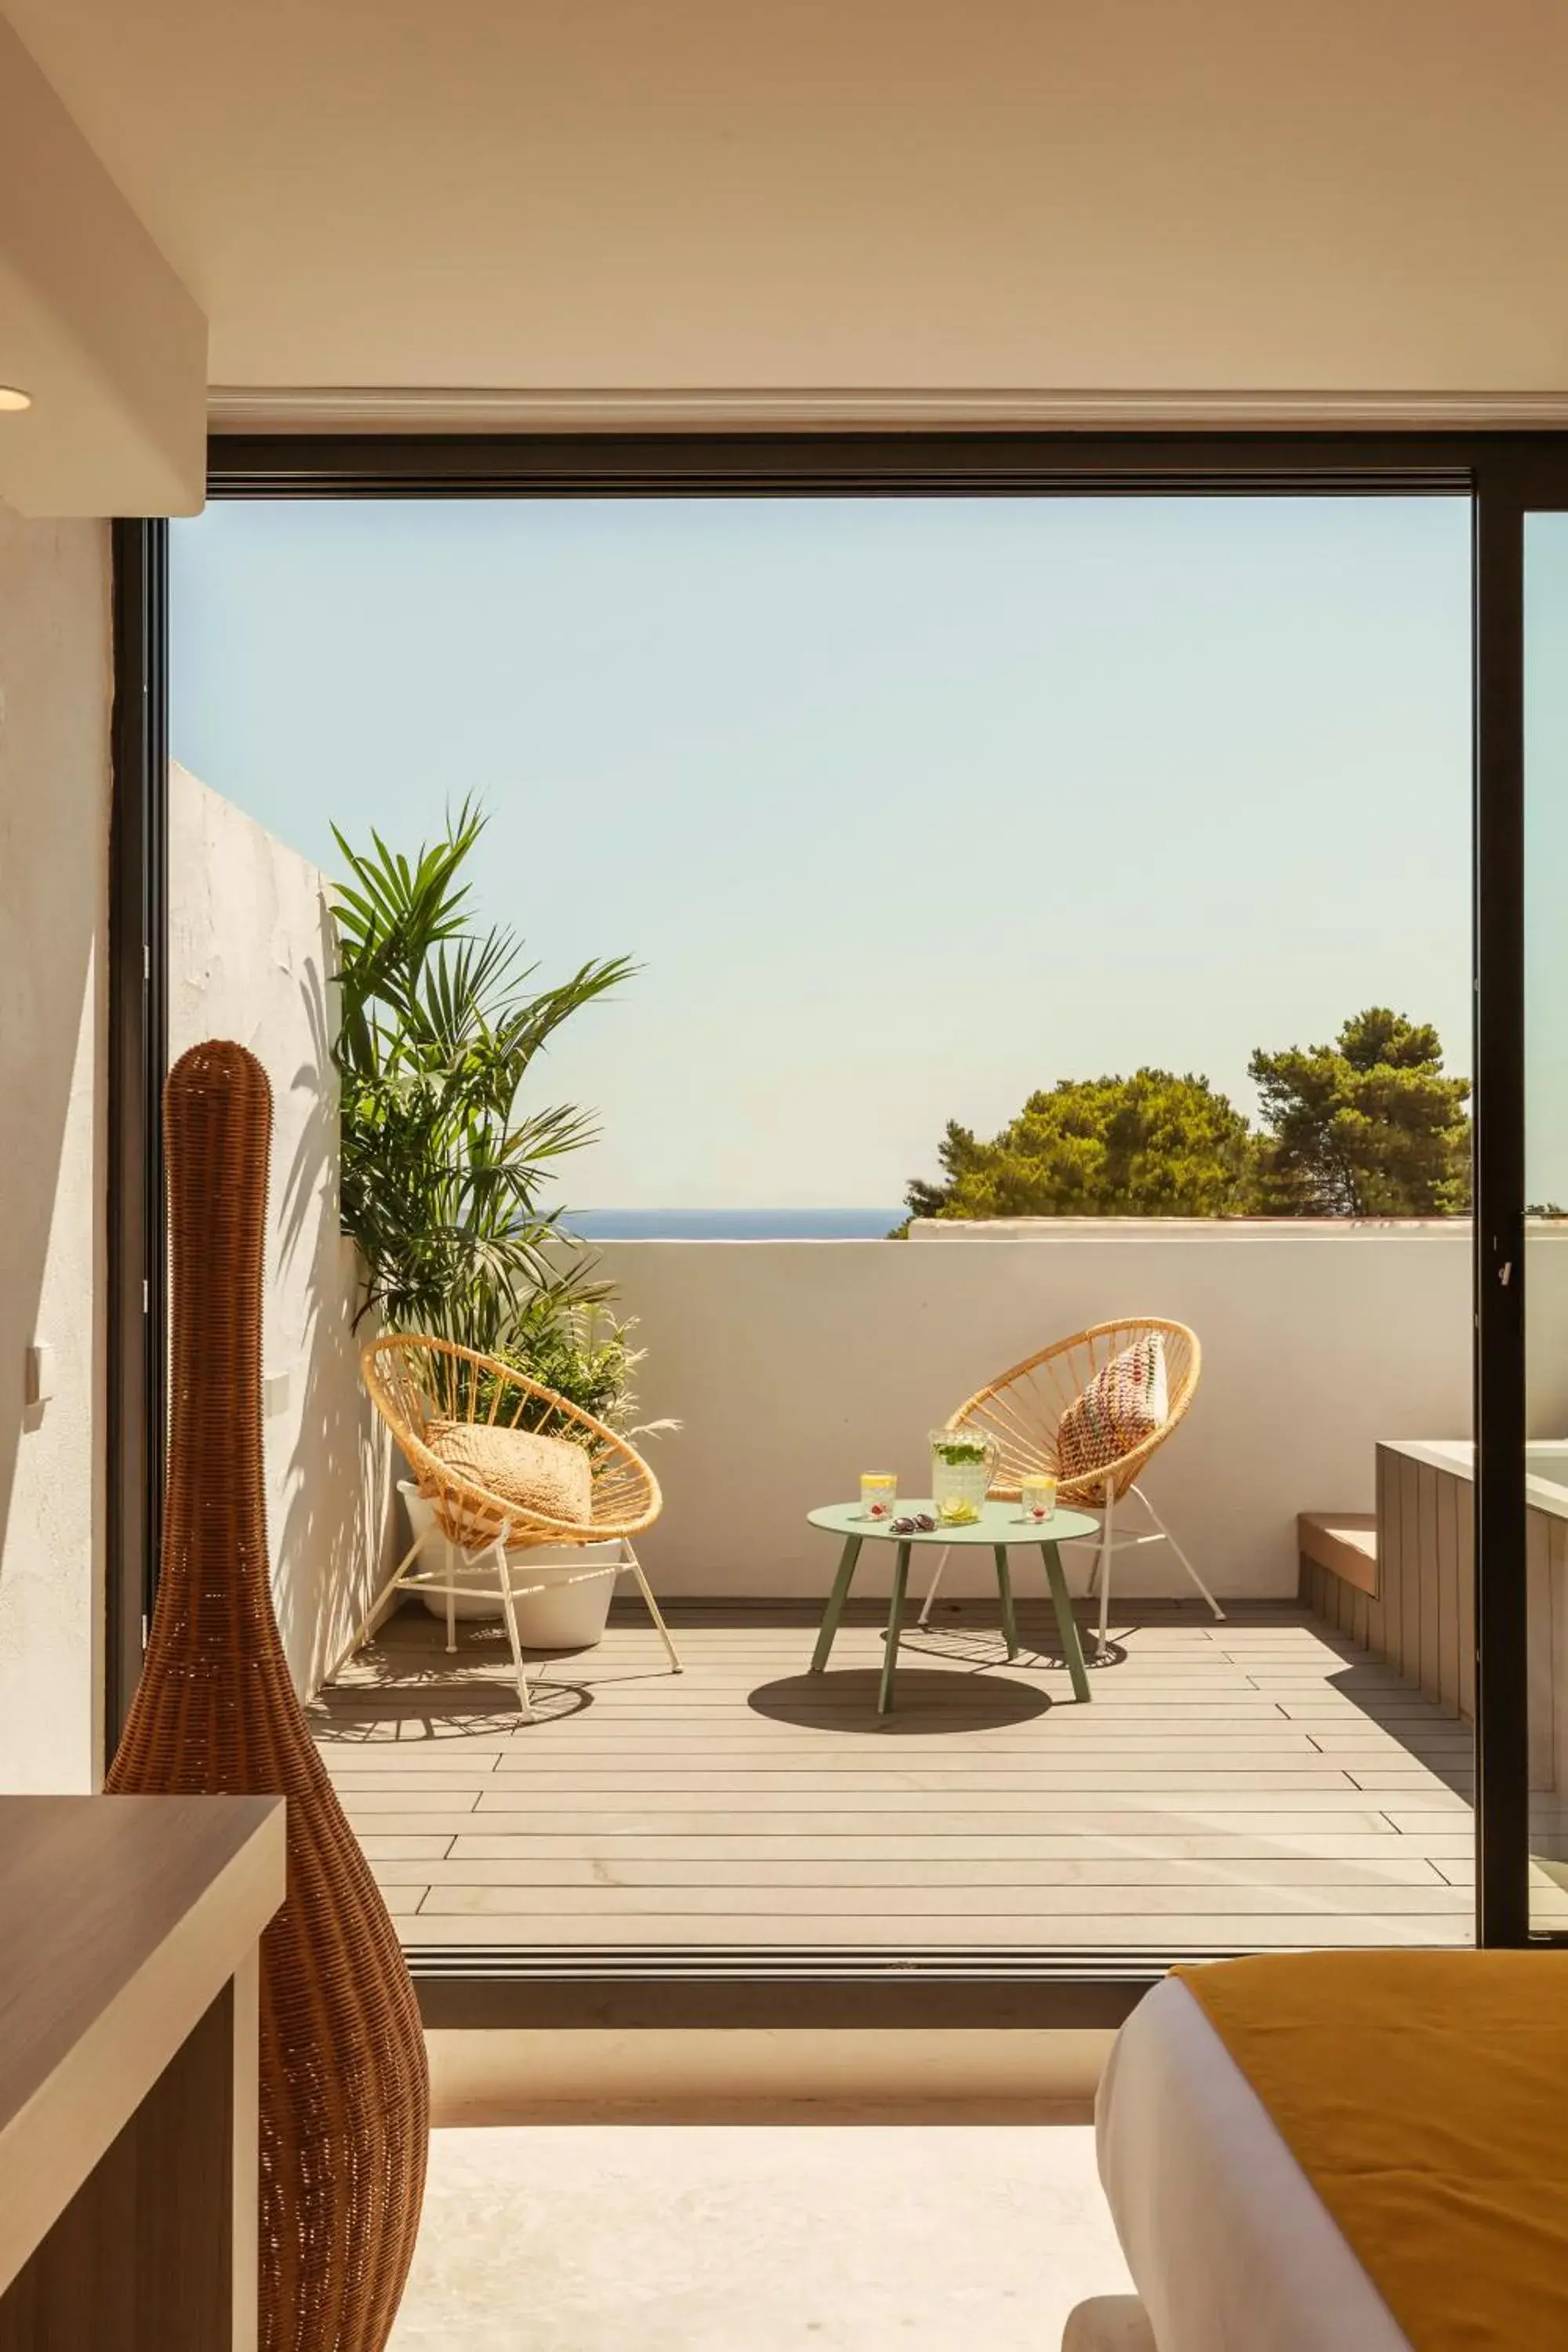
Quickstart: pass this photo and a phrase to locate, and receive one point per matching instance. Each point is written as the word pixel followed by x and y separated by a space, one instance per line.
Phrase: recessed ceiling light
pixel 11 397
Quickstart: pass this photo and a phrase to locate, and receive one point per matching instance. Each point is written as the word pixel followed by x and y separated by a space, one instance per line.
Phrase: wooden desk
pixel 129 1928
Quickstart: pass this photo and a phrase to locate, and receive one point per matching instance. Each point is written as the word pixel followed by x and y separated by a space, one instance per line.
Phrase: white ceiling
pixel 1131 194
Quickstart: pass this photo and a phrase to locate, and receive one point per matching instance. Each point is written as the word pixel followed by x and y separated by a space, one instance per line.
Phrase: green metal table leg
pixel 1004 1586
pixel 835 1600
pixel 1066 1623
pixel 895 1617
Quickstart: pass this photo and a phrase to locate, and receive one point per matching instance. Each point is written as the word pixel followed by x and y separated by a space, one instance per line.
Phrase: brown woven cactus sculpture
pixel 344 2092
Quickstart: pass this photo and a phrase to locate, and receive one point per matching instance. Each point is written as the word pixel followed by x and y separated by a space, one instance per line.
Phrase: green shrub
pixel 580 1352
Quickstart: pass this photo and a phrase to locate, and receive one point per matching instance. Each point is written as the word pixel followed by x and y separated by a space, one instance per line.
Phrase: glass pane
pixel 1084 883
pixel 1546 1194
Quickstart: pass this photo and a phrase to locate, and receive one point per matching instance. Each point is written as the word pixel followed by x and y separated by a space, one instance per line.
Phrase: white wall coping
pixel 1207 1230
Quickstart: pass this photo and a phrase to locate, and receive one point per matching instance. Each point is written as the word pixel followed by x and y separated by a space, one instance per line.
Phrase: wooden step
pixel 1344 1542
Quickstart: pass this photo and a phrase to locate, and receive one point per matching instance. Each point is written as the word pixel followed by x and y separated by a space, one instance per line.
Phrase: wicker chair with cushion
pixel 506 1466
pixel 1032 1411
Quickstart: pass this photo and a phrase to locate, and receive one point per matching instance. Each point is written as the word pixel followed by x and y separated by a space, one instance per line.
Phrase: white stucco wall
pixel 55 707
pixel 250 958
pixel 795 1365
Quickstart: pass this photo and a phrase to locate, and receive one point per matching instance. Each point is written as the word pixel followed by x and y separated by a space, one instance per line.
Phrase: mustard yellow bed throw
pixel 1424 2095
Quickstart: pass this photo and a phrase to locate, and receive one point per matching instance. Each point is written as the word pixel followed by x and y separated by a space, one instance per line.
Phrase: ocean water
pixel 732 1224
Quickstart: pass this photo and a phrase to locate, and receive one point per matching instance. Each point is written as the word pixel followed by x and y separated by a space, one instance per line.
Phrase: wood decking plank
pixel 1193 1931
pixel 1258 1783
pixel 928 1902
pixel 1392 1866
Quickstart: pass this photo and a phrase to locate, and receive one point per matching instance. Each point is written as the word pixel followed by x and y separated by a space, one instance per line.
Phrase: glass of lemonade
pixel 1036 1497
pixel 879 1494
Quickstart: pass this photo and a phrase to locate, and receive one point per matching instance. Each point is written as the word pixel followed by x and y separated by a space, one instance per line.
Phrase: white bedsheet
pixel 1229 2245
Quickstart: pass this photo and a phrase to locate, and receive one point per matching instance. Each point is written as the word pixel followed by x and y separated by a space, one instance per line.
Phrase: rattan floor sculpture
pixel 344 2092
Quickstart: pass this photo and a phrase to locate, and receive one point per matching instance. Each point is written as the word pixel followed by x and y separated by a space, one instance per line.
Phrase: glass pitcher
pixel 962 1466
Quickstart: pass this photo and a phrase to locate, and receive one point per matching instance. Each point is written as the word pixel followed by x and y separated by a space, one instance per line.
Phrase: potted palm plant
pixel 443 1172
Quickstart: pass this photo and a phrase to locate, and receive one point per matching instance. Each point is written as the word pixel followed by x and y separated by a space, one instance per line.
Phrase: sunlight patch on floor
pixel 709 2238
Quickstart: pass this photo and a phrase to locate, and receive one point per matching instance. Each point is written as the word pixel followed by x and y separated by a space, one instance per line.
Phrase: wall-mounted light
pixel 12 397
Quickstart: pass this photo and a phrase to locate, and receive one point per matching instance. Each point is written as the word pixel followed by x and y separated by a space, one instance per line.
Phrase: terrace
pixel 1298 1774
pixel 1256 1783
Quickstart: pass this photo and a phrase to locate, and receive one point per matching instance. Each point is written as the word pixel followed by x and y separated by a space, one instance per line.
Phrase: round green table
pixel 999 1528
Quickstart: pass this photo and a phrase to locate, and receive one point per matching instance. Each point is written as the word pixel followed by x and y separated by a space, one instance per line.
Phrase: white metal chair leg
pixel 451 1605
pixel 645 1588
pixel 362 1632
pixel 1104 1567
pixel 1181 1555
pixel 508 1611
pixel 935 1581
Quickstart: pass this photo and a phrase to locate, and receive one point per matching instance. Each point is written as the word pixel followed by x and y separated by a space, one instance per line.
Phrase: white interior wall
pixel 250 958
pixel 54 705
pixel 93 326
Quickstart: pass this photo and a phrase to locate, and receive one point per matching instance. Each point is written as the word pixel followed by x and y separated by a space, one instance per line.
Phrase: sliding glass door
pixel 1545 1466
pixel 1433 1554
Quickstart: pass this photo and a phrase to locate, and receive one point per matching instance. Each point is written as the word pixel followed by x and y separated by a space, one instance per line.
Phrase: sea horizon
pixel 732 1224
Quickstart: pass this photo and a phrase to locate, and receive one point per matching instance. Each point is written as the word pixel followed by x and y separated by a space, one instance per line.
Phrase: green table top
pixel 999 1523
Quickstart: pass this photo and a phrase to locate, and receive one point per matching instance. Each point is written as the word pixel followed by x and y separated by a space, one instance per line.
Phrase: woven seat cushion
pixel 546 1477
pixel 1125 1402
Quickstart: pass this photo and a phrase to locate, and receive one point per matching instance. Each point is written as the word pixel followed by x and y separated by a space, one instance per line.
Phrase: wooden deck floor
pixel 1256 1784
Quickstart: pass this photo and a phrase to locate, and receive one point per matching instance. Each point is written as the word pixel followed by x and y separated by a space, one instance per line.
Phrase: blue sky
pixel 905 806
pixel 1546 860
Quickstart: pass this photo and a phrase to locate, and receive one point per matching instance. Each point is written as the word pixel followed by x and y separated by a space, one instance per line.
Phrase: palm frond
pixel 442 1171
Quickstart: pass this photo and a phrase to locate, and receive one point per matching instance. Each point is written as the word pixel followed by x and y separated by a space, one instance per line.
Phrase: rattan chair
pixel 414 1382
pixel 1022 1412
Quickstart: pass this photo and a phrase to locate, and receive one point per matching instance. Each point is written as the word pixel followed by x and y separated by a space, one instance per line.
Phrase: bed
pixel 1230 2246
pixel 1296 2149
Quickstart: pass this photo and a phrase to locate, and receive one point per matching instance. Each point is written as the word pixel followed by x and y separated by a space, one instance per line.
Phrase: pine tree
pixel 1152 1145
pixel 1368 1127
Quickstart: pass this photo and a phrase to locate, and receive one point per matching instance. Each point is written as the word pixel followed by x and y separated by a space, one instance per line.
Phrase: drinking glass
pixel 878 1493
pixel 1036 1497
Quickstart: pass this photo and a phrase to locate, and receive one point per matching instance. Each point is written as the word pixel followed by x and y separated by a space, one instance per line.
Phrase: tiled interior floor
pixel 1251 1784
pixel 757 2237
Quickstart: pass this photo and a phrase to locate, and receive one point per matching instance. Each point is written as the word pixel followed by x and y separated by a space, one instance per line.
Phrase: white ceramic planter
pixel 566 1616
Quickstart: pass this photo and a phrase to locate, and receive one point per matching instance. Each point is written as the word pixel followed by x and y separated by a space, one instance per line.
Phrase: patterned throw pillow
pixel 546 1477
pixel 1124 1404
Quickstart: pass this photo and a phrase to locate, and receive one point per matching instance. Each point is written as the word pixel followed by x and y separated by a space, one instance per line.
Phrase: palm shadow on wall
pixel 333 1547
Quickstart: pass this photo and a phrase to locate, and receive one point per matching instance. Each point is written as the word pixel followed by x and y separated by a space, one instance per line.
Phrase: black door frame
pixel 1527 476
pixel 1505 474
pixel 137 1058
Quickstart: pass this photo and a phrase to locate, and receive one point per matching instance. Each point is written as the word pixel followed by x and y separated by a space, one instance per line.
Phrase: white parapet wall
pixel 250 957
pixel 793 1366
